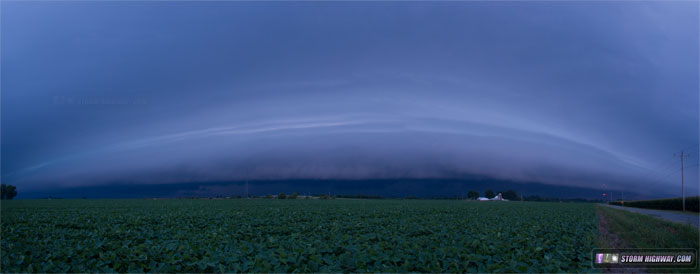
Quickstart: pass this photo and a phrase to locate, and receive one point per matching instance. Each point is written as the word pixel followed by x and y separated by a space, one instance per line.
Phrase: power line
pixel 669 174
pixel 652 173
pixel 662 172
pixel 673 172
pixel 667 166
pixel 690 147
pixel 692 165
pixel 662 168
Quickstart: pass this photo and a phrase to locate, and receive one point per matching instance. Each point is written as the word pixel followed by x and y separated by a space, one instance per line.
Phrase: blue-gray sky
pixel 578 93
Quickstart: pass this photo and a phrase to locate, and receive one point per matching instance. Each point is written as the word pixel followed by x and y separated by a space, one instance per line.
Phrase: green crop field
pixel 295 235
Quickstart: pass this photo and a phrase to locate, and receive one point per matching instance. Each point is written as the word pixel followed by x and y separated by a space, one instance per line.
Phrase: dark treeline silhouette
pixel 471 195
pixel 394 188
pixel 8 192
pixel 537 198
pixel 360 196
pixel 691 204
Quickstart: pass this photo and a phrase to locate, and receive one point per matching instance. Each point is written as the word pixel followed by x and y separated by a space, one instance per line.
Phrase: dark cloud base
pixel 393 188
pixel 188 97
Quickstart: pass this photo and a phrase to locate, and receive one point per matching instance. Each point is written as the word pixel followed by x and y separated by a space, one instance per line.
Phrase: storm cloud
pixel 577 94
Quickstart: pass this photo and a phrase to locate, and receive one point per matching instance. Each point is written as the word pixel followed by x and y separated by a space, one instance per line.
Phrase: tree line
pixel 8 192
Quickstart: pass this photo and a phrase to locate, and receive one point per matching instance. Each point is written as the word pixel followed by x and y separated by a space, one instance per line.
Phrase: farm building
pixel 498 197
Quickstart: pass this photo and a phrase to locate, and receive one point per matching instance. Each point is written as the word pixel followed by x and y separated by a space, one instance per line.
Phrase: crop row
pixel 298 235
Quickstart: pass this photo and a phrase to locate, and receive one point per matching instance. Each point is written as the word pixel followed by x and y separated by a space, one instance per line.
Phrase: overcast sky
pixel 582 93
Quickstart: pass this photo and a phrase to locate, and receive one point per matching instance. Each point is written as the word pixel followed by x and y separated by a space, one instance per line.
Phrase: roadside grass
pixel 666 210
pixel 634 230
pixel 642 231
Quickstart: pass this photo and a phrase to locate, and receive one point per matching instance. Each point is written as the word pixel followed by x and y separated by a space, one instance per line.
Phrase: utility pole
pixel 682 156
pixel 247 196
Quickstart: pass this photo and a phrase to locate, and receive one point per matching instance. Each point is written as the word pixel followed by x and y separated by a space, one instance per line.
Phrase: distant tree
pixel 489 194
pixel 324 197
pixel 472 194
pixel 268 196
pixel 282 196
pixel 510 195
pixel 8 192
pixel 293 195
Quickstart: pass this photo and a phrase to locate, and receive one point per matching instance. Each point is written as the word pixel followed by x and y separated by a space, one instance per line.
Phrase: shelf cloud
pixel 575 94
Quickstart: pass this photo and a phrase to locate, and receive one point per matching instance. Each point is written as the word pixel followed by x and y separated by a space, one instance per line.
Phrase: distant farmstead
pixel 498 197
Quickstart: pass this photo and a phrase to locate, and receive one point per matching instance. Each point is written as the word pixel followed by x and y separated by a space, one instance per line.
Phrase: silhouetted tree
pixel 473 194
pixel 8 192
pixel 293 195
pixel 282 196
pixel 489 194
pixel 510 195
